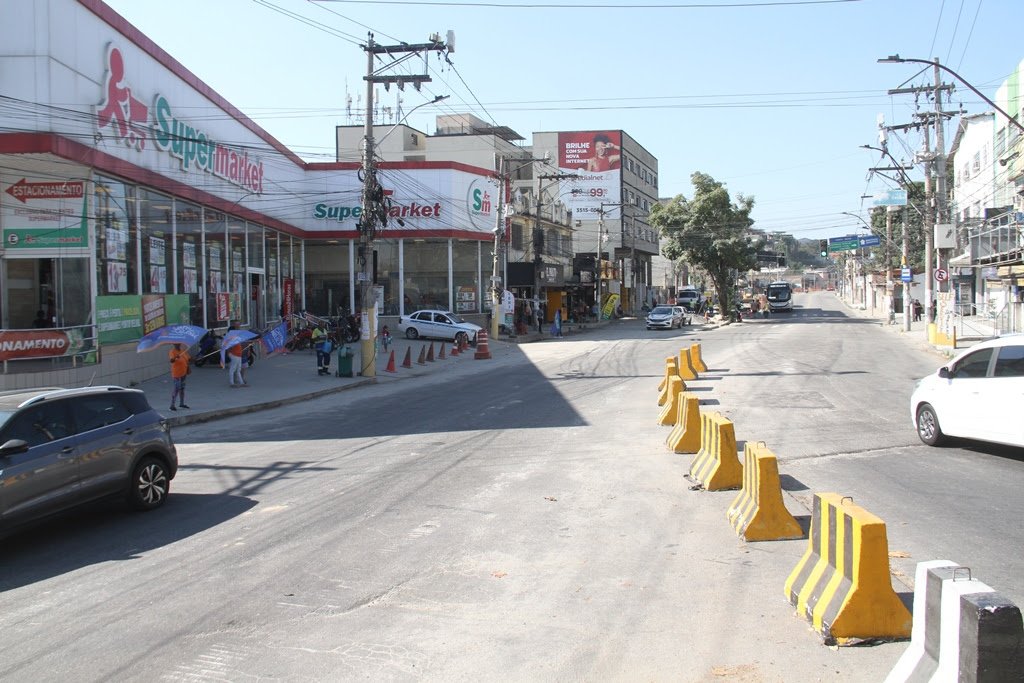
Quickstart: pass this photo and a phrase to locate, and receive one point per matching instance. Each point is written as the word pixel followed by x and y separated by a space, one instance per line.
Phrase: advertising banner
pixel 118 318
pixel 38 343
pixel 39 213
pixel 595 157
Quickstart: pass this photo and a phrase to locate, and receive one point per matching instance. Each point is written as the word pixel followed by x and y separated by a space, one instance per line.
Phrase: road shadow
pixel 108 532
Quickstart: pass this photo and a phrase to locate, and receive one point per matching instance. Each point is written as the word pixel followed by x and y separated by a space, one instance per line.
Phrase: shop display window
pixel 116 237
pixel 217 299
pixel 466 276
pixel 328 278
pixel 426 274
pixel 156 226
pixel 387 273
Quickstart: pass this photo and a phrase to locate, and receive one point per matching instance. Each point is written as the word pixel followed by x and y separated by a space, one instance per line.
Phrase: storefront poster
pixel 39 213
pixel 465 300
pixel 190 281
pixel 288 305
pixel 154 315
pixel 156 250
pixel 117 276
pixel 118 318
pixel 595 158
pixel 188 254
pixel 158 279
pixel 116 244
pixel 223 306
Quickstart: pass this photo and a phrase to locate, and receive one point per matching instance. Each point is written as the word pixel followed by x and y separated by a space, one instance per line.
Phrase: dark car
pixel 60 448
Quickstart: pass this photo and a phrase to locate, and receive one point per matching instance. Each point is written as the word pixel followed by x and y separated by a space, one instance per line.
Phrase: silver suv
pixel 60 448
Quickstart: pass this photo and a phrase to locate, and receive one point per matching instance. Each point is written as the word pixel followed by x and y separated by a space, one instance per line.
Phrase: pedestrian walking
pixel 180 369
pixel 235 376
pixel 323 355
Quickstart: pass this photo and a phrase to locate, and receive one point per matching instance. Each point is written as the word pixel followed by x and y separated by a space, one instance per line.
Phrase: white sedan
pixel 432 324
pixel 976 396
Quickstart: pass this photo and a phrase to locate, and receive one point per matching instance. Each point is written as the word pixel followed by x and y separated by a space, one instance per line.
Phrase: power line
pixel 503 5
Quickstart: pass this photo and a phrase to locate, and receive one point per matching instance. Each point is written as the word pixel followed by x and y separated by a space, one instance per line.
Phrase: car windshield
pixel 662 310
pixel 778 290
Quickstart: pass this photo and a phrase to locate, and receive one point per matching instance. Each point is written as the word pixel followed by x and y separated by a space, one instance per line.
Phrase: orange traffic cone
pixel 441 355
pixel 430 353
pixel 482 351
pixel 391 363
pixel 423 356
pixel 455 349
pixel 407 363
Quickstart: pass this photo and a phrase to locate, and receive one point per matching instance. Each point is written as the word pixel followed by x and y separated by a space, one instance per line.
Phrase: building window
pixel 116 237
pixel 156 225
pixel 1000 141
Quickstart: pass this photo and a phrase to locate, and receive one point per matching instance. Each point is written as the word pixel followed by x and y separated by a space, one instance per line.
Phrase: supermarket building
pixel 133 196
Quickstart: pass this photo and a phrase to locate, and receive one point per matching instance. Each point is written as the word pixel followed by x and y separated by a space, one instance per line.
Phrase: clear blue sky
pixel 772 98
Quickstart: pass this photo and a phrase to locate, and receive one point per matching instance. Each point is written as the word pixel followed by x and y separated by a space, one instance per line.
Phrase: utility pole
pixel 499 236
pixel 906 285
pixel 374 208
pixel 940 183
pixel 538 242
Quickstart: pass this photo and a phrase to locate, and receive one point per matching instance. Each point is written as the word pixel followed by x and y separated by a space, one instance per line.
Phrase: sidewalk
pixel 292 377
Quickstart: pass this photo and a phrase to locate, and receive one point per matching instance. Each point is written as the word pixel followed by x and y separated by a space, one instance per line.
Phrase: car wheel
pixel 150 484
pixel 462 339
pixel 928 426
pixel 411 333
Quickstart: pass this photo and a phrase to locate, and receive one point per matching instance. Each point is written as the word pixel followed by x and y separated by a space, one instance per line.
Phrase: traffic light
pixel 823 244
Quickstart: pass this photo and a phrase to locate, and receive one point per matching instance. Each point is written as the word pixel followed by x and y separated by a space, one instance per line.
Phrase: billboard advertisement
pixel 595 157
pixel 40 213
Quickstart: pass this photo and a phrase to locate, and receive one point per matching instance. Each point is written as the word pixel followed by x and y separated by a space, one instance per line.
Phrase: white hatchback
pixel 977 395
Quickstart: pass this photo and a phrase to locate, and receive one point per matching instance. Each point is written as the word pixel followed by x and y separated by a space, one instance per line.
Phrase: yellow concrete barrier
pixel 716 465
pixel 685 436
pixel 758 512
pixel 698 362
pixel 686 370
pixel 670 410
pixel 671 370
pixel 842 583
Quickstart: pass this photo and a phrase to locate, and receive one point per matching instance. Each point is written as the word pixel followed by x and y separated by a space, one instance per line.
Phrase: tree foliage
pixel 710 231
pixel 911 216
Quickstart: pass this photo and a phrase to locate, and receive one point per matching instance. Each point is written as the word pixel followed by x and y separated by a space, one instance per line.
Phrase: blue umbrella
pixel 234 338
pixel 171 334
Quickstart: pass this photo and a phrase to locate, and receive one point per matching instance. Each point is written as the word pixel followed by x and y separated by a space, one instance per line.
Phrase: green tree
pixel 710 231
pixel 912 213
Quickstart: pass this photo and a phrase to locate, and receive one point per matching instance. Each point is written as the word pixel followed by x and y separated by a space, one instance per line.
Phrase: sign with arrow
pixel 43 213
pixel 24 191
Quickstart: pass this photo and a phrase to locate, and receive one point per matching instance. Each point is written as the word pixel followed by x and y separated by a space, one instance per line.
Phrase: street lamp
pixel 864 270
pixel 896 59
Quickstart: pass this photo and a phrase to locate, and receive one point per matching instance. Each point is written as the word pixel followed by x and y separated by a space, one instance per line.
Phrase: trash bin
pixel 344 362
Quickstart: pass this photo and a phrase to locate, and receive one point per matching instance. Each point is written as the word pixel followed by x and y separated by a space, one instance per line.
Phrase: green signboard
pixel 847 243
pixel 118 318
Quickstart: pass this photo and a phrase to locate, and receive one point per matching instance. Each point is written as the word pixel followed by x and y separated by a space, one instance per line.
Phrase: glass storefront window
pixel 236 268
pixel 327 277
pixel 273 310
pixel 188 233
pixel 155 226
pixel 466 276
pixel 254 234
pixel 216 268
pixel 116 260
pixel 426 274
pixel 387 273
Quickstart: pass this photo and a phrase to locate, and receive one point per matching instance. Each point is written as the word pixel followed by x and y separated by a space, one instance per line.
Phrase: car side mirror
pixel 944 372
pixel 13 447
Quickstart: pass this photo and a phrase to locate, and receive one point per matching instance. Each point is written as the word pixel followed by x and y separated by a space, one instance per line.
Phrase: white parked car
pixel 433 324
pixel 977 395
pixel 665 318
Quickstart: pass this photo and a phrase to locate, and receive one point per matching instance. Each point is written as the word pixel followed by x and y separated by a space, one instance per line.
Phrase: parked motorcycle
pixel 301 340
pixel 349 330
pixel 209 345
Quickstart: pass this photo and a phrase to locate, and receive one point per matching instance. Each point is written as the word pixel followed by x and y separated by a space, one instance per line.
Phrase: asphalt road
pixel 517 521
